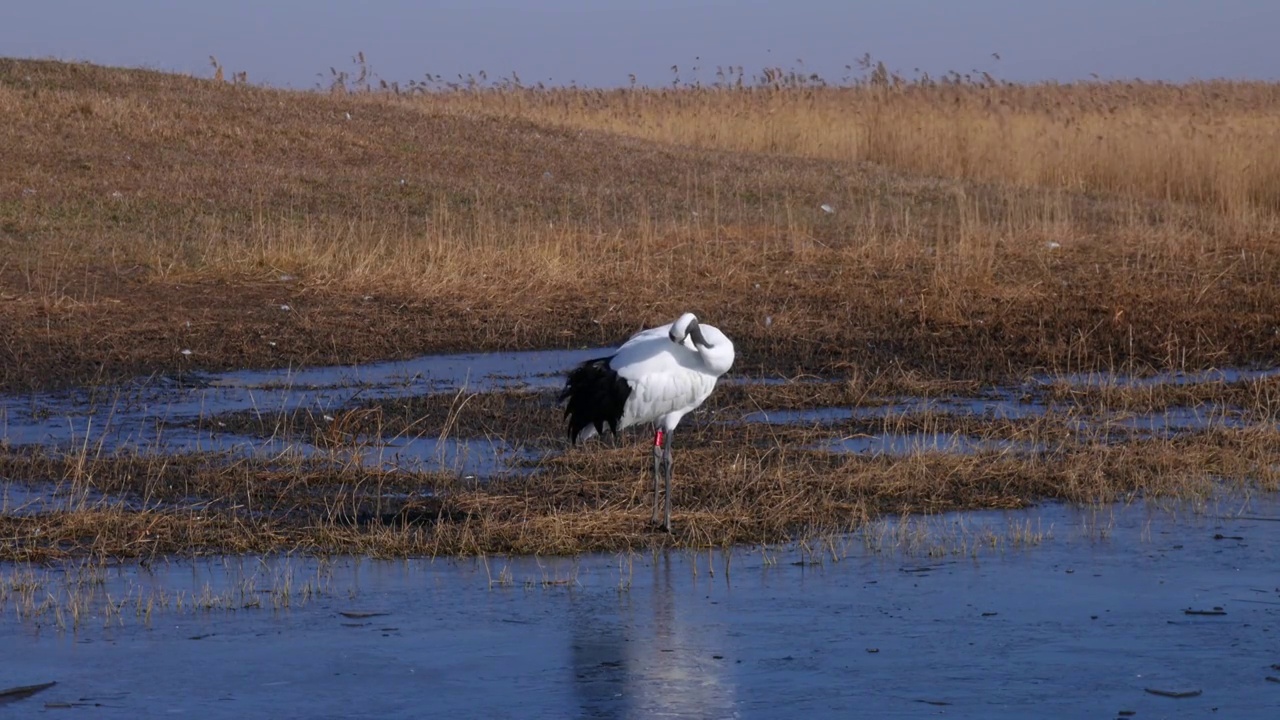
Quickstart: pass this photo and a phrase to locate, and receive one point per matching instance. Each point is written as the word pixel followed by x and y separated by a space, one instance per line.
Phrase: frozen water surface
pixel 1082 624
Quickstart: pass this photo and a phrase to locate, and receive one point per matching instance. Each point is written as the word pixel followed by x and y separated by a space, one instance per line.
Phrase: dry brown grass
pixel 1206 144
pixel 591 500
pixel 143 213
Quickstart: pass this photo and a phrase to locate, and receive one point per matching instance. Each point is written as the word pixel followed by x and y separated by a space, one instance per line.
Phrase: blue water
pixel 1079 625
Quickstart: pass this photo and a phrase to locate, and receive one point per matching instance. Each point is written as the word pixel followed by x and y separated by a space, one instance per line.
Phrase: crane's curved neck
pixel 681 328
pixel 699 340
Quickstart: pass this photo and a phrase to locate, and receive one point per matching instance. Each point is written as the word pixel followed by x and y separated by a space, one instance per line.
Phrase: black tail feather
pixel 596 395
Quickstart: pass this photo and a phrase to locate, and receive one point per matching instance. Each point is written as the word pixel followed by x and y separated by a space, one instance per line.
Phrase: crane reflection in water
pixel 643 658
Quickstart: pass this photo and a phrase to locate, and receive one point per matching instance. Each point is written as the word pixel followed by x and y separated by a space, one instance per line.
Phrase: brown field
pixel 924 237
pixel 143 213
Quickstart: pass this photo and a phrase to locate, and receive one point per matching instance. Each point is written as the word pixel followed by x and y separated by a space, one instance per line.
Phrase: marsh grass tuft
pixel 71 595
pixel 745 491
pixel 934 537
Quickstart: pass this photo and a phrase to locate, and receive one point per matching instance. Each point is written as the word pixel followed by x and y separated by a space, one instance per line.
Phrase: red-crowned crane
pixel 657 376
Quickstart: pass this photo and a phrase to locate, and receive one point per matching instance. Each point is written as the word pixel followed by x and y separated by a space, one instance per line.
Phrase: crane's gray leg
pixel 666 452
pixel 657 462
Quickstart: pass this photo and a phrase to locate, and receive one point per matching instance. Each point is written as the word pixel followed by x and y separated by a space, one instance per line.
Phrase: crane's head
pixel 687 327
pixel 713 347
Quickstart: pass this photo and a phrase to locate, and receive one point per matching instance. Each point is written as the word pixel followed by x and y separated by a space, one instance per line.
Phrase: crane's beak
pixel 696 331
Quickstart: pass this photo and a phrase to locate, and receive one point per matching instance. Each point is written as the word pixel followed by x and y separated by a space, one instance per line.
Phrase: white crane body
pixel 656 377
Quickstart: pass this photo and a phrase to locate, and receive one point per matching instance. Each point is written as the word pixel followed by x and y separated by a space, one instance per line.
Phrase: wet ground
pixel 1054 611
pixel 1050 612
pixel 466 454
pixel 158 415
pixel 195 413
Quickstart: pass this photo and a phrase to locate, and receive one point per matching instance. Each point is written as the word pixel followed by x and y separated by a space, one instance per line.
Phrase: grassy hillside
pixel 970 230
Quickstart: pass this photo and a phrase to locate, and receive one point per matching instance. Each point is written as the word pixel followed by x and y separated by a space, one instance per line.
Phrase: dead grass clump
pixel 514 416
pixel 599 499
pixel 1258 398
pixel 333 487
pixel 117 532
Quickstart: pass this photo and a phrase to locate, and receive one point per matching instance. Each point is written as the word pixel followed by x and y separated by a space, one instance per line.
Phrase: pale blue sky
pixel 287 42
